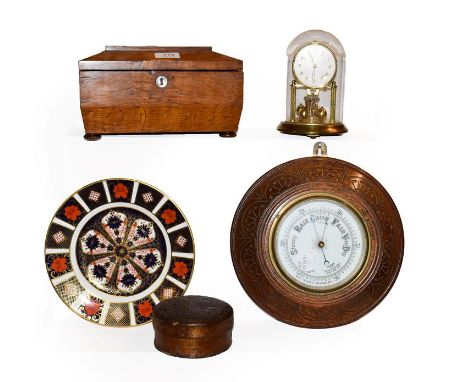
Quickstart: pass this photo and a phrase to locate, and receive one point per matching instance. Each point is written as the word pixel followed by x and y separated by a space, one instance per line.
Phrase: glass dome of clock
pixel 315 85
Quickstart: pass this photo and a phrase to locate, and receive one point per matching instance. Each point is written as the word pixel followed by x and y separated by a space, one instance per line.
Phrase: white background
pixel 405 107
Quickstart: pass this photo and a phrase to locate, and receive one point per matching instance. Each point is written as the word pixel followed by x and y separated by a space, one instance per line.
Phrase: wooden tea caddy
pixel 154 90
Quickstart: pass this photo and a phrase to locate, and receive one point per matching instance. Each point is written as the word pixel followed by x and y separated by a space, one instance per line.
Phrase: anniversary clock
pixel 317 242
pixel 315 85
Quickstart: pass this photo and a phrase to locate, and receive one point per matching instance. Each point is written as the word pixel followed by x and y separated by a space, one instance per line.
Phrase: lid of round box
pixel 193 326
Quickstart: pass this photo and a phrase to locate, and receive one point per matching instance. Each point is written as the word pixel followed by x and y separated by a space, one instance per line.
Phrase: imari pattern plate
pixel 117 247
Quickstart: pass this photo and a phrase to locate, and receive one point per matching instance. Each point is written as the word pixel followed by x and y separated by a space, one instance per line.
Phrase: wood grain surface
pixel 193 326
pixel 143 58
pixel 130 102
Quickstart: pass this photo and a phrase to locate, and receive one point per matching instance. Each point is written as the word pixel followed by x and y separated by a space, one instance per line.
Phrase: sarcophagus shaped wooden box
pixel 153 90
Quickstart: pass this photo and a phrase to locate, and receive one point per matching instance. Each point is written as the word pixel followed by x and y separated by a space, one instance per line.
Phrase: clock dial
pixel 319 244
pixel 314 65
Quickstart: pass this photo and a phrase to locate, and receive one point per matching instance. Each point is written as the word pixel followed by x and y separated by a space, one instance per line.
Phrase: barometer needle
pixel 325 261
pixel 321 244
pixel 325 228
pixel 315 228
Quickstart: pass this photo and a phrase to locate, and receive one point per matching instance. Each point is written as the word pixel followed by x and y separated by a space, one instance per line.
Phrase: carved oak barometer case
pixel 315 87
pixel 317 242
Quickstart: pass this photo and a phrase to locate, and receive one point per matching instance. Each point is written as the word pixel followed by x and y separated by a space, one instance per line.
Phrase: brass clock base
pixel 312 130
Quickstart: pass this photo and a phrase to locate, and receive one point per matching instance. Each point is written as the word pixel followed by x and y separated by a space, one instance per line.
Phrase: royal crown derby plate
pixel 117 247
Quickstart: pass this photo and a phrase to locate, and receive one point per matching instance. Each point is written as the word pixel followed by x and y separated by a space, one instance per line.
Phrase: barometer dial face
pixel 314 65
pixel 319 244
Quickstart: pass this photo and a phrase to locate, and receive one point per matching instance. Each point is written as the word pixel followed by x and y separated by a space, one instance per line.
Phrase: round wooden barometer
pixel 317 242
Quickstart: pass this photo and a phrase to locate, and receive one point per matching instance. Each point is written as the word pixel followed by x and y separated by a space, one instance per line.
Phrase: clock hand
pixel 314 65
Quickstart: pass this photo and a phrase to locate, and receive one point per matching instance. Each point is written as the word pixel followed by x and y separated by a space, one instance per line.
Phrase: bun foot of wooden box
pixel 228 134
pixel 92 137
